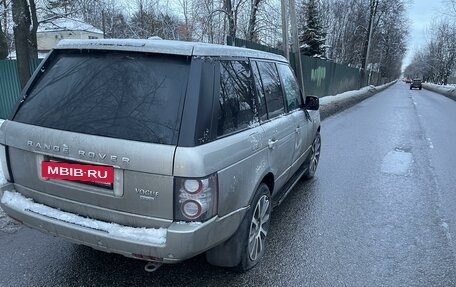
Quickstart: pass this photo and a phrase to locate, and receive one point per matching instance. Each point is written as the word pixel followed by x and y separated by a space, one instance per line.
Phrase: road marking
pixel 431 146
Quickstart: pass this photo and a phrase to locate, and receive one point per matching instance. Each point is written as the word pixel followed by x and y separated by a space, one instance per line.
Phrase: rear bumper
pixel 177 242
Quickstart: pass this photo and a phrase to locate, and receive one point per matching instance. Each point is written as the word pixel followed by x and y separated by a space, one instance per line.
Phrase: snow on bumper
pixel 177 242
pixel 152 236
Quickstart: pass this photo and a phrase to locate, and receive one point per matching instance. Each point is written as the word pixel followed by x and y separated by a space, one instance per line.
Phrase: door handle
pixel 272 143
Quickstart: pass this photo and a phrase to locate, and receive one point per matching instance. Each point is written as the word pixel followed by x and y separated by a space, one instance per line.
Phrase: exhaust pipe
pixel 152 266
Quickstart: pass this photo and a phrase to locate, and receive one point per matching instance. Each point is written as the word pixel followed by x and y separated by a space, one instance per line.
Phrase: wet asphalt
pixel 381 211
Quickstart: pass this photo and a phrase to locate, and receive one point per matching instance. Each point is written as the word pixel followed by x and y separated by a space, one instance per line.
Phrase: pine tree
pixel 312 34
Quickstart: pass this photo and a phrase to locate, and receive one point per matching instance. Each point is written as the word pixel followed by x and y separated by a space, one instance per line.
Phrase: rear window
pixel 133 96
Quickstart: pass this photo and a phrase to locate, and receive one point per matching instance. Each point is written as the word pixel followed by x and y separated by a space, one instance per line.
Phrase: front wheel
pixel 314 157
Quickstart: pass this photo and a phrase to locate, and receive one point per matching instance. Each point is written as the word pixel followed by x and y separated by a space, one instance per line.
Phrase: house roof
pixel 66 24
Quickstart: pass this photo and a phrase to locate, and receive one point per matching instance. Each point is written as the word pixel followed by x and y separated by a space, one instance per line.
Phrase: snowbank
pixel 448 91
pixel 331 105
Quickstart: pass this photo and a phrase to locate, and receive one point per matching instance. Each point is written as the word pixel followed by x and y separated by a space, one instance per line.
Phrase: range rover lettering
pixel 158 150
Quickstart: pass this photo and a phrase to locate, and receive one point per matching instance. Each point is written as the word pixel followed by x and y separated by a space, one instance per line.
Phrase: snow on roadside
pixel 328 100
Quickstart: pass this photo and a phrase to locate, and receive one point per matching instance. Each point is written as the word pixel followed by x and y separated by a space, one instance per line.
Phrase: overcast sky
pixel 421 14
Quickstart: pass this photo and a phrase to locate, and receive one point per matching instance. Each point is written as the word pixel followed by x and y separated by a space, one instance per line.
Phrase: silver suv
pixel 158 150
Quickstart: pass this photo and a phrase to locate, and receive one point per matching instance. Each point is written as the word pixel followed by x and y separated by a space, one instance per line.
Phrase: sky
pixel 421 14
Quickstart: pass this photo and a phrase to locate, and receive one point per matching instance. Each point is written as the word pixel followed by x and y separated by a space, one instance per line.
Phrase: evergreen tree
pixel 312 34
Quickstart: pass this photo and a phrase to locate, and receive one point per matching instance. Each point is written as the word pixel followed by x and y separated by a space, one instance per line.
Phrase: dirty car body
pixel 197 138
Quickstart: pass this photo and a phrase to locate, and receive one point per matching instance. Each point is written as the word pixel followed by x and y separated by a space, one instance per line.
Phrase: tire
pixel 410 88
pixel 254 237
pixel 314 157
pixel 247 245
pixel 420 88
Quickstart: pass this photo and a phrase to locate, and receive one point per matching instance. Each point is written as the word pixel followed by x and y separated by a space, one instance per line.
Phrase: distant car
pixel 416 84
pixel 408 81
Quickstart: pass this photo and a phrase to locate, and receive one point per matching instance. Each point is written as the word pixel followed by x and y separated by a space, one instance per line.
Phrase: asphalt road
pixel 380 212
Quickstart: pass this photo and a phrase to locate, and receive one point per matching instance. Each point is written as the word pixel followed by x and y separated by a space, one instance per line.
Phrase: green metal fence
pixel 231 41
pixel 9 85
pixel 321 77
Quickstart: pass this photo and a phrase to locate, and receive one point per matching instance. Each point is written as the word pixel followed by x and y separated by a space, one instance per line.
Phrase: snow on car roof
pixel 167 47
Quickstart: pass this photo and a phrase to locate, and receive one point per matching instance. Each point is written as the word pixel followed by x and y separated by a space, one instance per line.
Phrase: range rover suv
pixel 158 150
pixel 416 83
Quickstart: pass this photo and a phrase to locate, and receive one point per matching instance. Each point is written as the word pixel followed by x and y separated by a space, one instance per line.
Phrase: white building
pixel 50 33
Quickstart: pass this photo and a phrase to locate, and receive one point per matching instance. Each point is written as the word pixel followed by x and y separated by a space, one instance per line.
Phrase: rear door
pixel 116 109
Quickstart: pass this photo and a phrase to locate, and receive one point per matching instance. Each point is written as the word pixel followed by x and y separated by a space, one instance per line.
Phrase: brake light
pixel 195 198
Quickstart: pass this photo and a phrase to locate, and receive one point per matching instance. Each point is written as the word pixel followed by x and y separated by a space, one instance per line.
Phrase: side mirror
pixel 312 103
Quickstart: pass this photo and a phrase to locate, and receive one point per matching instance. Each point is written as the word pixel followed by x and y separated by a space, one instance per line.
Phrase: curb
pixel 446 91
pixel 330 105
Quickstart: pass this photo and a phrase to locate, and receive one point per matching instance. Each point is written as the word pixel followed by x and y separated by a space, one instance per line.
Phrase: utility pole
pixel 103 23
pixel 285 29
pixel 295 44
pixel 373 11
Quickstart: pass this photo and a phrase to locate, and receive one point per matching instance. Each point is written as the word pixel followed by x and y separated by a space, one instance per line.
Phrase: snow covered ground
pixel 448 90
pixel 331 105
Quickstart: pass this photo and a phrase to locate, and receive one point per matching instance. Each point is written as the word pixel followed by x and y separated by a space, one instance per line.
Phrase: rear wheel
pixel 314 157
pixel 258 225
pixel 247 245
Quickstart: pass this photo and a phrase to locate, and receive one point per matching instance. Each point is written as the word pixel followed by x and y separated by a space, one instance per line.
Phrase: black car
pixel 416 84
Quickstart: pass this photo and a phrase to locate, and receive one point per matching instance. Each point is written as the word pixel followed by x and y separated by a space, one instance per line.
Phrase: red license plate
pixel 77 172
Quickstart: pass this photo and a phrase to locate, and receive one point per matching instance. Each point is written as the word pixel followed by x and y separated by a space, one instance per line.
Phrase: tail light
pixel 195 199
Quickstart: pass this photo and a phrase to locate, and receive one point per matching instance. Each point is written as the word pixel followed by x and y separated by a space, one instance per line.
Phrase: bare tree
pixel 3 43
pixel 437 61
pixel 252 33
pixel 189 19
pixel 26 25
pixel 348 23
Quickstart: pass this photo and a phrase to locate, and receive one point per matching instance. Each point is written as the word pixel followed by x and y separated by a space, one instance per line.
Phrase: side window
pixel 236 100
pixel 290 87
pixel 272 89
pixel 262 112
